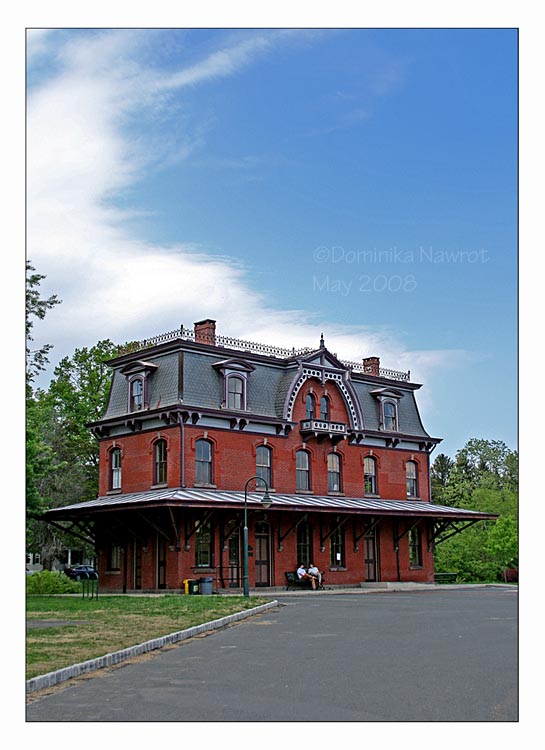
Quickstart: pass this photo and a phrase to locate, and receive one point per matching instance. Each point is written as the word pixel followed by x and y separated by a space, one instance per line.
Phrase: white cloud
pixel 113 284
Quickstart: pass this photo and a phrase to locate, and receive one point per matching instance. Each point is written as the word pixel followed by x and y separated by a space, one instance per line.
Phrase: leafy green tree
pixel 62 452
pixel 78 393
pixel 41 460
pixel 483 476
pixel 502 543
pixel 36 307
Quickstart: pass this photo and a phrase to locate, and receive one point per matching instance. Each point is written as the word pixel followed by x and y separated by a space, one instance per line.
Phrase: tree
pixel 483 476
pixel 502 543
pixel 79 393
pixel 440 474
pixel 487 462
pixel 36 307
pixel 41 461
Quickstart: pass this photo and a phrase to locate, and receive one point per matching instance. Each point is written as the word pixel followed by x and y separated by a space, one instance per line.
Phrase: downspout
pixel 429 472
pixel 125 556
pixel 431 500
pixel 396 548
pixel 182 452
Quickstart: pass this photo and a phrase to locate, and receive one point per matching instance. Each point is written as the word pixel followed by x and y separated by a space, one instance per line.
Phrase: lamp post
pixel 266 502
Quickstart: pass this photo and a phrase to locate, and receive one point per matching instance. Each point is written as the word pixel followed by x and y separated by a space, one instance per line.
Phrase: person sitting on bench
pixel 315 573
pixel 302 575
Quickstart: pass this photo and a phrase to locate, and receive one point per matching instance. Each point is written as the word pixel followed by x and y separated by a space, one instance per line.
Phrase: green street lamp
pixel 266 502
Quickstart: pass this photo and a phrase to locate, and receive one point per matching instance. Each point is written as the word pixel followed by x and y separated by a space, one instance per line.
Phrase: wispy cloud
pixel 112 283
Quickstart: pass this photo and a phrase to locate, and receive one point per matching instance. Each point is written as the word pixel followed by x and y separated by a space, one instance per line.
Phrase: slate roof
pixel 268 385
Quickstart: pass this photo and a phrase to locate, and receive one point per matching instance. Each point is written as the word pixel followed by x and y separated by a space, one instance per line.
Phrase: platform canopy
pixel 210 499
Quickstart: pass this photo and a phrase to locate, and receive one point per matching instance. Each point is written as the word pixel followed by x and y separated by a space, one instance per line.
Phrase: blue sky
pixel 358 182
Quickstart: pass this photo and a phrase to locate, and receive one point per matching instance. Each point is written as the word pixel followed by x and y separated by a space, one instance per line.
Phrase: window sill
pixel 336 494
pixel 416 567
pixel 114 492
pixel 413 497
pixel 204 569
pixel 304 492
pixel 206 486
pixel 112 572
pixel 160 486
pixel 339 569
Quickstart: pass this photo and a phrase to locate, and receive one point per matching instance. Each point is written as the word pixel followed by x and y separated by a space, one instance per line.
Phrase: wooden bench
pixel 445 577
pixel 293 581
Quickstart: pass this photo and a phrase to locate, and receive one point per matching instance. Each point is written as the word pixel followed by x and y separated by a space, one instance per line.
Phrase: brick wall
pixel 234 463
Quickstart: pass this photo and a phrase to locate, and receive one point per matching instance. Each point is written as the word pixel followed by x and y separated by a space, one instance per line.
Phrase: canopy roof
pixel 209 498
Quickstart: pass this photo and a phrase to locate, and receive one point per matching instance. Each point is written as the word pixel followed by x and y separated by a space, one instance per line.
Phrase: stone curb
pixel 61 675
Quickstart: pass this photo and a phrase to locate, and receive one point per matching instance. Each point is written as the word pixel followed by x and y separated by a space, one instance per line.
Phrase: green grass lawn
pixel 111 623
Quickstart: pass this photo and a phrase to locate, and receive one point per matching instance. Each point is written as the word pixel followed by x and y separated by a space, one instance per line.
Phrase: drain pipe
pixel 182 452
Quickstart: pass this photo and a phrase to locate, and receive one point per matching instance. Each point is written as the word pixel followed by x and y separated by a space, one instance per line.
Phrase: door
pixel 161 562
pixel 370 556
pixel 262 554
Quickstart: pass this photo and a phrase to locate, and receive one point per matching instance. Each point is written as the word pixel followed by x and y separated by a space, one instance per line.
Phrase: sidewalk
pixel 365 588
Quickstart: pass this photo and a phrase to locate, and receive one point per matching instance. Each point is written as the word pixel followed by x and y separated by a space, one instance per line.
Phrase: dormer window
pixel 235 392
pixel 138 374
pixel 388 399
pixel 390 415
pixel 136 400
pixel 235 374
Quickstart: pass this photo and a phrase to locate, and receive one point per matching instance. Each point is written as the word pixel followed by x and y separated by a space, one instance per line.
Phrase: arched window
pixel 263 464
pixel 370 476
pixel 235 393
pixel 390 416
pixel 302 471
pixel 412 479
pixel 115 469
pixel 203 462
pixel 310 406
pixel 136 399
pixel 160 462
pixel 324 409
pixel 334 483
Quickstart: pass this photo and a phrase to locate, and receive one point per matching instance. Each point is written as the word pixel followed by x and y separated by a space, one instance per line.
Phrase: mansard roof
pixel 186 373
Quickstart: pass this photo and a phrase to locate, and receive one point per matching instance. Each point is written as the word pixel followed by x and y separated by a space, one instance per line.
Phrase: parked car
pixel 79 572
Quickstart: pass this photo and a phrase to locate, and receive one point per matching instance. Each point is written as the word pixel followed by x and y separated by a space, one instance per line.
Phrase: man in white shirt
pixel 302 575
pixel 313 571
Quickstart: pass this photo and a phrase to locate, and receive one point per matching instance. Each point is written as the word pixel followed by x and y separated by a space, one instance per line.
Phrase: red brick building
pixel 193 416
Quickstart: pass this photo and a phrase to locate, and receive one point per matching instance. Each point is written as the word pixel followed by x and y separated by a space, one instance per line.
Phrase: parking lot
pixel 438 655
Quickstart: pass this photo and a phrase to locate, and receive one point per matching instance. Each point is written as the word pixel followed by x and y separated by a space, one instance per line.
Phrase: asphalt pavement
pixel 439 655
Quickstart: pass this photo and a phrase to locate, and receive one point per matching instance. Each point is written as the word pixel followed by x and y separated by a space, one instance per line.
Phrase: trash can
pixel 205 585
pixel 191 586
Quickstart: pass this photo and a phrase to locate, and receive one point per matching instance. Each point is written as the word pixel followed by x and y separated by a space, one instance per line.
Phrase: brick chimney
pixel 371 365
pixel 205 332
